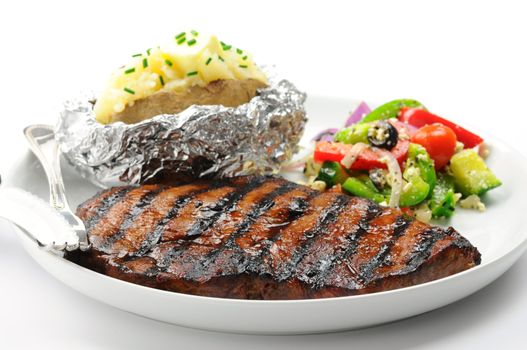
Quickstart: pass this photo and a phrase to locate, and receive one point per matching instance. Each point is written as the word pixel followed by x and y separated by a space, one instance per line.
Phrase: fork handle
pixel 42 142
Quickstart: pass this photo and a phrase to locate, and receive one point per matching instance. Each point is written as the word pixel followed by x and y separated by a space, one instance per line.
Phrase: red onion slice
pixel 357 114
pixel 325 135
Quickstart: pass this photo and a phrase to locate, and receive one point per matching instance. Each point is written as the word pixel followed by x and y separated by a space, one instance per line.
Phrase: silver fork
pixel 42 142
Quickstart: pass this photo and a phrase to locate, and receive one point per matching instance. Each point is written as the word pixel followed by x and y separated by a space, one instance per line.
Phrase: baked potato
pixel 191 69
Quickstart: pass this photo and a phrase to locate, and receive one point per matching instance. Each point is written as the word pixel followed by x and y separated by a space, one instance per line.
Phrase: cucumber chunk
pixel 471 174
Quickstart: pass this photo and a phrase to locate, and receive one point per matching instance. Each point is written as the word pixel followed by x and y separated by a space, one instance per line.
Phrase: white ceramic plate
pixel 500 234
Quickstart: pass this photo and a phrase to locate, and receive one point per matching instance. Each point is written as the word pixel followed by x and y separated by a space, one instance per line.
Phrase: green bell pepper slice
pixel 353 134
pixel 419 157
pixel 390 110
pixel 332 173
pixel 363 187
pixel 419 176
pixel 443 201
pixel 415 189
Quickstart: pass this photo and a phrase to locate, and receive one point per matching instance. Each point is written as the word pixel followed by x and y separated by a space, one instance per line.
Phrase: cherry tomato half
pixel 439 141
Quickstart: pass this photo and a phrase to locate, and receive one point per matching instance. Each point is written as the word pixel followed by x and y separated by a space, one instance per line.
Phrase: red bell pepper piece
pixel 367 159
pixel 419 117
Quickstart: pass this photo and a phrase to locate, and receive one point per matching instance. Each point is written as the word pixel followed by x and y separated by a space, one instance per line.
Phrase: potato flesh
pixel 229 93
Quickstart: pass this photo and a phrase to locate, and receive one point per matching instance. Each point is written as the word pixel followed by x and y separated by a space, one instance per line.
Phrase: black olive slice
pixel 383 135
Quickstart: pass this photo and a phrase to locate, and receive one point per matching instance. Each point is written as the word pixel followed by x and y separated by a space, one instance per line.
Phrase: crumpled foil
pixel 201 141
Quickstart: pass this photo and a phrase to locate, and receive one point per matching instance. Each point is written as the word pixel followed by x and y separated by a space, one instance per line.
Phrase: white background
pixel 464 60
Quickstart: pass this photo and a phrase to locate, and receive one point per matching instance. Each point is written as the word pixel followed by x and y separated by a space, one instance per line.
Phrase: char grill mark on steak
pixel 228 257
pixel 198 260
pixel 97 207
pixel 238 200
pixel 156 234
pixel 422 249
pixel 199 217
pixel 177 228
pixel 256 241
pixel 287 207
pixel 340 269
pixel 323 252
pixel 148 225
pixel 323 223
pixel 134 212
pixel 109 224
pixel 288 248
pixel 379 232
pixel 401 250
pixel 368 268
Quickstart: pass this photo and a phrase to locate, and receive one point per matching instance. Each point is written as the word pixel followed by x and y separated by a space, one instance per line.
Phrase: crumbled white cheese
pixel 407 187
pixel 421 157
pixel 412 171
pixel 312 168
pixel 403 135
pixel 318 185
pixel 483 151
pixel 459 147
pixel 472 202
pixel 448 171
pixel 423 213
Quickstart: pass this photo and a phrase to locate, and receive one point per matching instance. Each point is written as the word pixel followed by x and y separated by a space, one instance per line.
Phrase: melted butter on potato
pixel 178 75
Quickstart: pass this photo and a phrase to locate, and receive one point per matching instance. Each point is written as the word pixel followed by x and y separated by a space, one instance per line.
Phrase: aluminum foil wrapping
pixel 201 141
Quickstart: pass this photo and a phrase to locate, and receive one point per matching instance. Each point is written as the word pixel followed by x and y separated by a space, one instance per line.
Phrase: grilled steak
pixel 263 238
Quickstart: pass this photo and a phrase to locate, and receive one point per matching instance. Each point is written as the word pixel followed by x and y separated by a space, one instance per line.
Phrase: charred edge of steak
pixel 265 287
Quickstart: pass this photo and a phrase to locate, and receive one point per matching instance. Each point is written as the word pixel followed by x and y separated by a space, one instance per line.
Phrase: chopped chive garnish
pixel 137 55
pixel 148 51
pixel 225 47
pixel 194 33
pixel 244 58
pixel 180 35
pixel 221 58
pixel 191 42
pixel 181 41
pixel 189 74
pixel 145 63
pixel 128 71
pixel 161 80
pixel 208 61
pixel 239 51
pixel 243 66
pixel 130 91
pixel 169 62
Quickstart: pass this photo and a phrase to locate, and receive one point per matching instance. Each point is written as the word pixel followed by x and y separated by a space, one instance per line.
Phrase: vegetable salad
pixel 402 155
